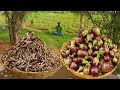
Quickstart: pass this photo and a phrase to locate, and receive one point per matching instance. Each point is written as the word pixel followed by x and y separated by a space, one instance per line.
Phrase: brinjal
pixel 73 66
pixel 67 52
pixel 81 53
pixel 97 38
pixel 90 58
pixel 95 53
pixel 90 52
pixel 95 62
pixel 100 42
pixel 75 55
pixel 78 39
pixel 117 55
pixel 68 60
pixel 107 58
pixel 106 67
pixel 67 46
pixel 95 48
pixel 104 39
pixel 106 51
pixel 115 50
pixel 114 61
pixel 94 71
pixel 86 70
pixel 90 36
pixel 79 61
pixel 83 46
pixel 96 31
pixel 73 49
pixel 73 43
pixel 63 54
pixel 112 53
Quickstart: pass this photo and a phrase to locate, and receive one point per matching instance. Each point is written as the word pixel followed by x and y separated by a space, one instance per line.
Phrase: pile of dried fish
pixel 30 54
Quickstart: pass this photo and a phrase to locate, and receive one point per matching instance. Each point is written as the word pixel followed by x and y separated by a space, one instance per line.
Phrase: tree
pixel 82 15
pixel 14 20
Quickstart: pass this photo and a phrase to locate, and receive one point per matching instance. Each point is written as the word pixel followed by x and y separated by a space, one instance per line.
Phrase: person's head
pixel 58 23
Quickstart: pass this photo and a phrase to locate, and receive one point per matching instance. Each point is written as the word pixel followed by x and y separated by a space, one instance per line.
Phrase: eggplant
pixel 73 66
pixel 104 39
pixel 83 46
pixel 106 67
pixel 75 55
pixel 90 59
pixel 78 40
pixel 72 44
pixel 90 37
pixel 73 49
pixel 115 50
pixel 97 38
pixel 117 55
pixel 95 62
pixel 95 48
pixel 63 53
pixel 68 47
pixel 107 58
pixel 90 52
pixel 95 31
pixel 81 53
pixel 100 42
pixel 86 70
pixel 94 71
pixel 106 51
pixel 112 53
pixel 67 52
pixel 68 60
pixel 95 53
pixel 79 61
pixel 114 61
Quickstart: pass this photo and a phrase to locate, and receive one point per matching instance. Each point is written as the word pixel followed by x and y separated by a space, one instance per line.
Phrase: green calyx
pixel 80 69
pixel 85 32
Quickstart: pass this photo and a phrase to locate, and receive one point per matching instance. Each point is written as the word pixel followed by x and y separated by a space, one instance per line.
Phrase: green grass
pixel 48 20
pixel 69 21
pixel 49 39
pixel 4 35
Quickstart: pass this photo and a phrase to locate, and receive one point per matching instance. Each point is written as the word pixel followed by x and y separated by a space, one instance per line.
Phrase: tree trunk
pixel 81 28
pixel 81 21
pixel 14 20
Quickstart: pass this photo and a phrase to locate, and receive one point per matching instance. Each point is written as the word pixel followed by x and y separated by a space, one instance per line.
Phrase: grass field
pixel 48 20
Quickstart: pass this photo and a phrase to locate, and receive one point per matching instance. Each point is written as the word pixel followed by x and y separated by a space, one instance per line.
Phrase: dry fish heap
pixel 30 54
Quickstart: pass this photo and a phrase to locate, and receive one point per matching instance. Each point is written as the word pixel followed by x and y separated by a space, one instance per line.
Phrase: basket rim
pixel 81 75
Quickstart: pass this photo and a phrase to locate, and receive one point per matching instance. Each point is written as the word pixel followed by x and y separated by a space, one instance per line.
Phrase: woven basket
pixel 81 75
pixel 32 75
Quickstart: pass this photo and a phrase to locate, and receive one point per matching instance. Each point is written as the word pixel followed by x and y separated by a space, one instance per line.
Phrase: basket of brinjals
pixel 89 55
